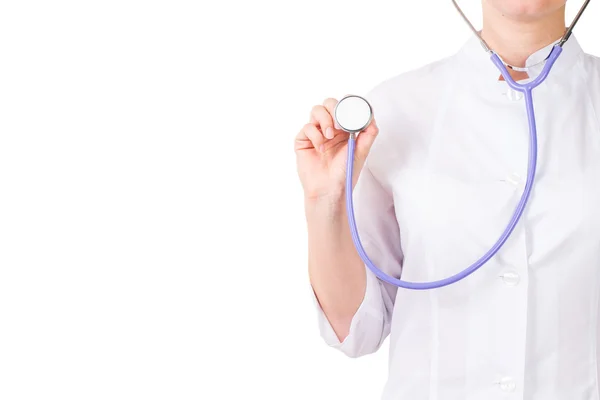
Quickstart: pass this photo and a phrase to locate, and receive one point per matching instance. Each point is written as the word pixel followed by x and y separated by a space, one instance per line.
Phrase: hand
pixel 322 150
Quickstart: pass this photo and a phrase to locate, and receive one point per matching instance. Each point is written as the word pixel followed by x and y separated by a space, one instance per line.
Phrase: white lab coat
pixel 439 187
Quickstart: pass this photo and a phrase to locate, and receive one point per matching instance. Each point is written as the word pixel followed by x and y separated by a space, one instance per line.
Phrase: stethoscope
pixel 353 114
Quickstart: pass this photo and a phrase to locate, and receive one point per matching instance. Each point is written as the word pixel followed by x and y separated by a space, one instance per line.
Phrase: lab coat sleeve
pixel 379 233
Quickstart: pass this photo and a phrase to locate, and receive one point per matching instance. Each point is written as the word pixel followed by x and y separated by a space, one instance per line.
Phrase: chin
pixel 526 9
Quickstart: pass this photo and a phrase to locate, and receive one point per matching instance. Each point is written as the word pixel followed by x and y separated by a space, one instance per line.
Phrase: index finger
pixel 321 116
pixel 330 105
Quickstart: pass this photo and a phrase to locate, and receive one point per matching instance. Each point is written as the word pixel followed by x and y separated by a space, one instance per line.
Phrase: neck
pixel 515 39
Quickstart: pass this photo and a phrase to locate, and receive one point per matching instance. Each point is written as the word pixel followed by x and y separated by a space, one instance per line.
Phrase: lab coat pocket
pixel 453 220
pixel 475 211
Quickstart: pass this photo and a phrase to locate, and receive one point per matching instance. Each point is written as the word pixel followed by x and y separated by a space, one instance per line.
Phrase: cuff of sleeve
pixel 371 306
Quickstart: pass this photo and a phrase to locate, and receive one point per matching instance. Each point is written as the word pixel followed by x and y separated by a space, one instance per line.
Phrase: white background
pixel 152 237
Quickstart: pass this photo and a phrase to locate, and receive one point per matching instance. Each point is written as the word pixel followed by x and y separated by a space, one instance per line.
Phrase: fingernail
pixel 337 126
pixel 329 133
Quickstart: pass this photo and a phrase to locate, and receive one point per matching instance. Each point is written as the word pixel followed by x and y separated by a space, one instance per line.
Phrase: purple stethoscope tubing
pixel 526 89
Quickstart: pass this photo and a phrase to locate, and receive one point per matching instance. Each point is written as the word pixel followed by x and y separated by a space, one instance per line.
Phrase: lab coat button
pixel 510 278
pixel 514 95
pixel 507 384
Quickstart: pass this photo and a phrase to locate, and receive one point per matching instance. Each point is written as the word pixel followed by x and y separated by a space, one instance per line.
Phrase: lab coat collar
pixel 476 62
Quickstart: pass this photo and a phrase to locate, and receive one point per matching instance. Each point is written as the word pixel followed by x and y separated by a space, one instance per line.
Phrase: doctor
pixel 440 170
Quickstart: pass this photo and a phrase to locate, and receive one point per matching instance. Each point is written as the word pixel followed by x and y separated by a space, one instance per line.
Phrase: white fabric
pixel 440 185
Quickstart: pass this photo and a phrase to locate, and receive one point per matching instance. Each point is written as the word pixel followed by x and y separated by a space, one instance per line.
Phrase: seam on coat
pixel 594 336
pixel 433 294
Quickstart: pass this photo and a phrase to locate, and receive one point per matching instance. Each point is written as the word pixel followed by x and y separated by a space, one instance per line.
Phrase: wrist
pixel 328 206
pixel 335 194
pixel 334 197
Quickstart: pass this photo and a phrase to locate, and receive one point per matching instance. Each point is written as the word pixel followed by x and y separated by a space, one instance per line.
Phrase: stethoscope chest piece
pixel 353 114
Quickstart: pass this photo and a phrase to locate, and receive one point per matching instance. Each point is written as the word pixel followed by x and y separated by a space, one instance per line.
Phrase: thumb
pixel 365 140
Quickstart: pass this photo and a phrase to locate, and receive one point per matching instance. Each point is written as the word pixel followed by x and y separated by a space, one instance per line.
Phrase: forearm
pixel 337 273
